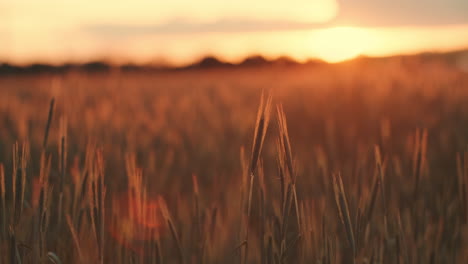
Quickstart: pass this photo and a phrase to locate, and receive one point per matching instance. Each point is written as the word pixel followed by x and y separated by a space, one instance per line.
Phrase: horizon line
pixel 167 64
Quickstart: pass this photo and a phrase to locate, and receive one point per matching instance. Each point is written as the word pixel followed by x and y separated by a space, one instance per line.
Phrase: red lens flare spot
pixel 135 221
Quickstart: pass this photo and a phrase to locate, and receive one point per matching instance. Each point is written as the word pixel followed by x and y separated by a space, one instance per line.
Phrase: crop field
pixel 359 162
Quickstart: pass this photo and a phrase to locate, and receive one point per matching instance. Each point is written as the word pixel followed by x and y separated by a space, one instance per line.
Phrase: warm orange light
pixel 55 31
pixel 341 43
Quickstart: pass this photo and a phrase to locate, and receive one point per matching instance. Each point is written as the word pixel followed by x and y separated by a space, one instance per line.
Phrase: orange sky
pixel 181 31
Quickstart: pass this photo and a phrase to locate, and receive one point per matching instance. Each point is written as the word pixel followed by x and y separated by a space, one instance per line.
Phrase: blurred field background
pixel 156 167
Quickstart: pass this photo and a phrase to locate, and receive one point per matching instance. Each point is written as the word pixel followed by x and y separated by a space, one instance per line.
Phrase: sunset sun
pixel 341 43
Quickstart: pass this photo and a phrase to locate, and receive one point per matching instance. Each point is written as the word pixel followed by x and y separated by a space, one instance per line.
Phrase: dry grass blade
pixel 23 164
pixel 371 203
pixel 75 237
pixel 19 180
pixel 177 240
pixel 464 187
pixel 247 224
pixel 159 258
pixel 280 170
pixel 284 140
pixel 54 258
pixel 49 121
pixel 14 185
pixel 286 210
pixel 419 156
pixel 240 246
pixel 290 246
pixel 263 118
pixel 62 163
pixel 402 236
pixel 462 171
pixel 14 254
pixel 174 233
pixel 380 168
pixel 63 151
pixel 358 225
pixel 99 196
pixel 2 197
pixel 287 154
pixel 343 210
pixel 460 185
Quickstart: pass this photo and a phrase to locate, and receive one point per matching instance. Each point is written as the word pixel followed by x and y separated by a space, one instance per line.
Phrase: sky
pixel 180 31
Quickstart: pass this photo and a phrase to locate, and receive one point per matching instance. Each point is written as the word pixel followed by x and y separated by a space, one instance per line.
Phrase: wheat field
pixel 358 162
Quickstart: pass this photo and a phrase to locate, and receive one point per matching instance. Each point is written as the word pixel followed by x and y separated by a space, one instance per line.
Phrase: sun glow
pixel 341 43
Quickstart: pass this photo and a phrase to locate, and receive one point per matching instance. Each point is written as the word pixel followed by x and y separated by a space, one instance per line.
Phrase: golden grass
pixel 362 163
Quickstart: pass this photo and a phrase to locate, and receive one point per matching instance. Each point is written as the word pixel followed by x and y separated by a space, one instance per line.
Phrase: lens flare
pixel 135 221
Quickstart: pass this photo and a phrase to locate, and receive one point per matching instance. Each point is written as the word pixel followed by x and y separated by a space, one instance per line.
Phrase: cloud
pixel 183 27
pixel 373 13
pixel 239 16
pixel 160 11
